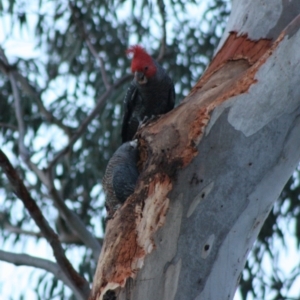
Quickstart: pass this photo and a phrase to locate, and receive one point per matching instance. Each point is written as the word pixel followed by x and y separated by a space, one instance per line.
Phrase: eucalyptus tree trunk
pixel 212 168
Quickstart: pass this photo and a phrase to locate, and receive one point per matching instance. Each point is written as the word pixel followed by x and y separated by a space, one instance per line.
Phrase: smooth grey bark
pixel 217 209
pixel 250 148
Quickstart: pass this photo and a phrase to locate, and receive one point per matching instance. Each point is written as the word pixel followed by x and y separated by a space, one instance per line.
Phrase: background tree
pixel 60 122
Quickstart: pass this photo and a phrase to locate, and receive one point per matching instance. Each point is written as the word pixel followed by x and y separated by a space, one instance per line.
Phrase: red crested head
pixel 141 61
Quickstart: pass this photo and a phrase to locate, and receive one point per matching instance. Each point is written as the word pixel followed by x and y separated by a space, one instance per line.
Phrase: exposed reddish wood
pixel 129 235
pixel 187 122
pixel 166 145
pixel 247 78
pixel 235 48
pixel 240 47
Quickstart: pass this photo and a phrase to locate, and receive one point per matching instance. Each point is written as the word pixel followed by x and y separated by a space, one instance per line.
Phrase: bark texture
pixel 211 168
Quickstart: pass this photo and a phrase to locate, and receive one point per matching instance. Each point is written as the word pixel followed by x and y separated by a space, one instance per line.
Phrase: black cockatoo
pixel 150 93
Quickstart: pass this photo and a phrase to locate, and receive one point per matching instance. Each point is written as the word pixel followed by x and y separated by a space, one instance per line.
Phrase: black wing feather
pixel 171 98
pixel 129 104
pixel 123 186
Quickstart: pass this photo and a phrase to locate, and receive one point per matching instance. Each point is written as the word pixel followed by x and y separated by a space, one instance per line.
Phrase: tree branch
pixel 81 27
pixel 163 43
pixel 21 191
pixel 17 230
pixel 36 262
pixel 64 237
pixel 21 124
pixel 7 69
pixel 28 88
pixel 100 60
pixel 45 176
pixel 20 118
pixel 88 120
pixel 71 218
pixel 9 126
pixel 74 222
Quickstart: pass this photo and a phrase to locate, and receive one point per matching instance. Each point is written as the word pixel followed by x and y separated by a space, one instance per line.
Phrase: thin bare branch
pixel 74 222
pixel 36 262
pixel 45 176
pixel 42 175
pixel 17 230
pixel 163 42
pixel 20 118
pixel 3 66
pixel 70 217
pixel 85 36
pixel 22 131
pixel 100 60
pixel 7 69
pixel 88 120
pixel 12 127
pixel 18 108
pixel 6 225
pixel 4 62
pixel 64 237
pixel 21 191
pixel 30 91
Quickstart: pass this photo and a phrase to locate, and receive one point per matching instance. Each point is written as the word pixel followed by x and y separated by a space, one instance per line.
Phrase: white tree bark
pixel 213 167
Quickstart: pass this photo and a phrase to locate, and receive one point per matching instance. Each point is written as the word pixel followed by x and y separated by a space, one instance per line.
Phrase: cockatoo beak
pixel 140 77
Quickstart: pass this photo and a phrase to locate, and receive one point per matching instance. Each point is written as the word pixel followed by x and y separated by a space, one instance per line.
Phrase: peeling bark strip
pixel 129 235
pixel 240 47
pixel 167 145
pixel 236 48
pixel 181 130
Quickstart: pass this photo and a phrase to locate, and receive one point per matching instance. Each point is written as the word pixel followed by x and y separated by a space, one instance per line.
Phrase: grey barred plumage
pixel 120 176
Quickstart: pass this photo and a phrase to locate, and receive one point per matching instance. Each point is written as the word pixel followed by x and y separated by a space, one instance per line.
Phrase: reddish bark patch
pixel 236 48
pixel 231 73
pixel 247 78
pixel 167 145
pixel 240 47
pixel 129 235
